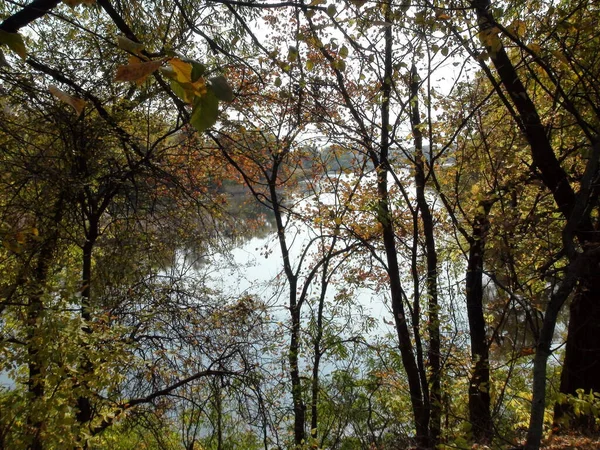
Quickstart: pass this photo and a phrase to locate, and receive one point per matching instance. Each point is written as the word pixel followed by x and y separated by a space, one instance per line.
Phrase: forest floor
pixel 571 442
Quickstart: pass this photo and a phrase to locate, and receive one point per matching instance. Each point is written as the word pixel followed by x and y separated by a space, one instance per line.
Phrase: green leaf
pixel 340 65
pixel 292 54
pixel 309 65
pixel 344 51
pixel 205 112
pixel 331 10
pixel 221 89
pixel 14 41
pixel 277 82
pixel 179 91
pixel 197 70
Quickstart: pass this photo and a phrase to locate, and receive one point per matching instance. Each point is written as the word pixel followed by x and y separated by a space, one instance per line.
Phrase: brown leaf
pixel 137 71
pixel 76 103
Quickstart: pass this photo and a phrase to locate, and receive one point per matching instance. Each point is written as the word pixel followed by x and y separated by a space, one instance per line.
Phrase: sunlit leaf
pixel 183 70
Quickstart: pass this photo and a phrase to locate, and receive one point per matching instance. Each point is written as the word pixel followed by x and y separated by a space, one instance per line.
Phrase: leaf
pixel 137 71
pixel 76 103
pixel 340 65
pixel 535 48
pixel 277 81
pixel 343 51
pixel 331 10
pixel 221 88
pixel 442 16
pixel 183 70
pixel 181 92
pixel 310 65
pixel 14 41
pixel 204 114
pixel 130 46
pixel 197 70
pixel 292 54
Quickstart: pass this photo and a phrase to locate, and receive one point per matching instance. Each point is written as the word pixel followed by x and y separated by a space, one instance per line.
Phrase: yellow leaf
pixel 183 70
pixel 138 71
pixel 76 103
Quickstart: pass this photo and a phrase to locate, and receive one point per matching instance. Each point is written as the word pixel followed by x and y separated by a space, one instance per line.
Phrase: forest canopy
pixel 416 184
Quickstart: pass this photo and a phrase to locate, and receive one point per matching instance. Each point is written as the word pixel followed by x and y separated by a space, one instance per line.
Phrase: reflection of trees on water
pixel 251 218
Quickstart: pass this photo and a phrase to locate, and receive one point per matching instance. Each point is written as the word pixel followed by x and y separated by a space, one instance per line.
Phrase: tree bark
pixel 30 13
pixel 434 357
pixel 479 384
pixel 35 310
pixel 384 217
pixel 581 368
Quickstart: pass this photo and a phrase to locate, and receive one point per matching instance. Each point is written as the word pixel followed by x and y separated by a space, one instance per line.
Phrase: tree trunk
pixel 581 368
pixel 538 402
pixel 35 311
pixel 434 357
pixel 479 384
pixel 294 348
pixel 384 217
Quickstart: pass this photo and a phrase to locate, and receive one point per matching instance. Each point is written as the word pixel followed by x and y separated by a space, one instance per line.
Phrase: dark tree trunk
pixel 35 311
pixel 479 395
pixel 434 357
pixel 295 313
pixel 581 368
pixel 384 217
pixel 84 405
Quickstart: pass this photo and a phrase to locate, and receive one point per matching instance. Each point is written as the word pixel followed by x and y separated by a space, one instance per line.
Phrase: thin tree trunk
pixel 294 348
pixel 538 403
pixel 84 405
pixel 384 217
pixel 435 394
pixel 314 403
pixel 479 384
pixel 35 310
